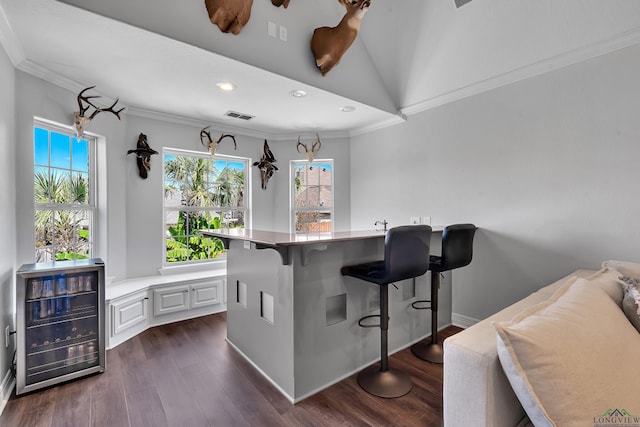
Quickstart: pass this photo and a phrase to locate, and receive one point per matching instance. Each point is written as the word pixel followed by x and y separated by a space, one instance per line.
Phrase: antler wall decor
pixel 266 165
pixel 314 148
pixel 284 3
pixel 143 155
pixel 329 44
pixel 229 15
pixel 81 120
pixel 212 146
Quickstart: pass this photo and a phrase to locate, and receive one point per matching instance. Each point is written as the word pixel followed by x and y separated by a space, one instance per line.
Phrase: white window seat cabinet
pixel 134 305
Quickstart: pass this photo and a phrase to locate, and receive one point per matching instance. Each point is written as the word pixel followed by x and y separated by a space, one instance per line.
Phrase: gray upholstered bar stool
pixel 457 251
pixel 406 255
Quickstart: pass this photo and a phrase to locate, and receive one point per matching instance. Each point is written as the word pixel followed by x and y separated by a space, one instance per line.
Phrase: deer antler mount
pixel 314 148
pixel 81 120
pixel 212 146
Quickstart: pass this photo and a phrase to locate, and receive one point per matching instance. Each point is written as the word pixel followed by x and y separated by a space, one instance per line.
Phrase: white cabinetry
pixel 128 316
pixel 137 304
pixel 129 312
pixel 191 296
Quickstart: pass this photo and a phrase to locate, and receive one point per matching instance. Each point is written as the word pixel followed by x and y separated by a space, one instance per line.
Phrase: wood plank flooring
pixel 185 374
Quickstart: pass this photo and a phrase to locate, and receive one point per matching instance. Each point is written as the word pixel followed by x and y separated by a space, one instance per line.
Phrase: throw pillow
pixel 572 358
pixel 626 268
pixel 631 301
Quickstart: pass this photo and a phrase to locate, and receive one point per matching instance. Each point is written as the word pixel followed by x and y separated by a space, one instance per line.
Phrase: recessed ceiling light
pixel 347 108
pixel 226 86
pixel 298 93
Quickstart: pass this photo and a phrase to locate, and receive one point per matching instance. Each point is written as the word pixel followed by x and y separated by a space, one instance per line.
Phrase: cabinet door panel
pixel 129 313
pixel 206 294
pixel 170 299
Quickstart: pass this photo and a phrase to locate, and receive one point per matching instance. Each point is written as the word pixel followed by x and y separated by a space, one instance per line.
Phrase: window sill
pixel 219 267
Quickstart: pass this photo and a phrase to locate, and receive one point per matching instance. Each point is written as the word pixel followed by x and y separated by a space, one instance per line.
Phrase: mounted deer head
pixel 314 148
pixel 212 146
pixel 143 154
pixel 229 15
pixel 81 120
pixel 279 3
pixel 329 44
pixel 266 165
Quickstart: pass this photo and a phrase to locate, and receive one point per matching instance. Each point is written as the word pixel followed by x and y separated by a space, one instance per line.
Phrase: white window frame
pixel 181 265
pixel 91 206
pixel 292 195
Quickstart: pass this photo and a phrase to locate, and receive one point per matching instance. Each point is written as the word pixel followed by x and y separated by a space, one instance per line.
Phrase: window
pixel 64 193
pixel 201 192
pixel 312 196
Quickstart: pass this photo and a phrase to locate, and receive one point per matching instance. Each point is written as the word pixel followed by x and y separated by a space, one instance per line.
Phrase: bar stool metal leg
pixel 382 381
pixel 431 350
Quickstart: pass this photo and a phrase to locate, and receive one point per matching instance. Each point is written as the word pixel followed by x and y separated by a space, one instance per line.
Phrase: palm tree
pixel 60 233
pixel 200 184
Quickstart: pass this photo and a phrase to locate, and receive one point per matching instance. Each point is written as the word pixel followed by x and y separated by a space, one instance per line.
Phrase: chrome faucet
pixel 383 223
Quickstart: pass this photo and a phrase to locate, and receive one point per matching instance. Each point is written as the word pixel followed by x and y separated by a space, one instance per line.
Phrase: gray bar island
pixel 295 317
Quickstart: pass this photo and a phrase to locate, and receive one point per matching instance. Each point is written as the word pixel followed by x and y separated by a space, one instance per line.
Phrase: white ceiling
pixel 164 56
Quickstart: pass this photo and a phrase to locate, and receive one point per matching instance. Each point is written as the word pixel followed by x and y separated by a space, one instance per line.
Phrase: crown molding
pixel 47 75
pixel 603 47
pixel 225 128
pixel 9 41
pixel 392 121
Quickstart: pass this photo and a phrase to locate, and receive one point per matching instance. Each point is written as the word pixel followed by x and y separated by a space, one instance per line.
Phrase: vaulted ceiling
pixel 165 57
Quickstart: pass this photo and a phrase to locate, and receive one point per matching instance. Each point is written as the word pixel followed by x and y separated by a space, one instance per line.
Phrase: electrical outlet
pixel 6 336
pixel 414 220
pixel 426 220
pixel 283 33
pixel 271 29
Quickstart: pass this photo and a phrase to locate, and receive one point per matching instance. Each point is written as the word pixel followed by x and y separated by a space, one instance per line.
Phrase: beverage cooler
pixel 60 333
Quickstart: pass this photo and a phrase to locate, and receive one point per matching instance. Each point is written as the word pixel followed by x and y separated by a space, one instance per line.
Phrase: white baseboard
pixel 8 382
pixel 462 321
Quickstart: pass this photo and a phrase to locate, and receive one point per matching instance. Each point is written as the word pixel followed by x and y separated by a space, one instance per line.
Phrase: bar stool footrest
pixel 417 304
pixel 377 325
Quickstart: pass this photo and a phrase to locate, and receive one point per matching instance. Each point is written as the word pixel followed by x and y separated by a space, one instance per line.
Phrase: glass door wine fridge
pixel 60 334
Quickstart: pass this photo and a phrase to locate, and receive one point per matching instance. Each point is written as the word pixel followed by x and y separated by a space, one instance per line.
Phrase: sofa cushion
pixel 626 268
pixel 572 357
pixel 476 390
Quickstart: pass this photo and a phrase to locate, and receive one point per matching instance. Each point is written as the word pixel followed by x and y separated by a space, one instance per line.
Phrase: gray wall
pixel 547 168
pixel 132 209
pixel 37 98
pixel 7 211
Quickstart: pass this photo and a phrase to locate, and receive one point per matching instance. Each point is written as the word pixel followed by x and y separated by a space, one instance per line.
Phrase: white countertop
pixel 275 238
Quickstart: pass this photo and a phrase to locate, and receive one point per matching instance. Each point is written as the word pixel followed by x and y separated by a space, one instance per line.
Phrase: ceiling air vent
pixel 237 115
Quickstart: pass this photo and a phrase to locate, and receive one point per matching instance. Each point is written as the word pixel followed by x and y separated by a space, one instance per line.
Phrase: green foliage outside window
pixel 200 193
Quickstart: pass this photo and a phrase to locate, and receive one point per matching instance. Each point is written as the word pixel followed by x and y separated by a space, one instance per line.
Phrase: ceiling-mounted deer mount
pixel 81 120
pixel 266 165
pixel 229 15
pixel 315 147
pixel 329 44
pixel 279 3
pixel 212 146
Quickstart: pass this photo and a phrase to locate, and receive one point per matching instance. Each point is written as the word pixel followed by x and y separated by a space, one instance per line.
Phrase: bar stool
pixel 457 251
pixel 406 255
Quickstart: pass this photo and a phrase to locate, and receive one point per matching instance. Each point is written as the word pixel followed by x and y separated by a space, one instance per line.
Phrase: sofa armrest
pixel 476 391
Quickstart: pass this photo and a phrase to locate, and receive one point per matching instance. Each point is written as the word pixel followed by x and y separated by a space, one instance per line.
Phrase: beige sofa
pixel 477 391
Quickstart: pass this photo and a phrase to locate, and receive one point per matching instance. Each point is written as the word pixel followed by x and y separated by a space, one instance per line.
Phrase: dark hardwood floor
pixel 185 374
